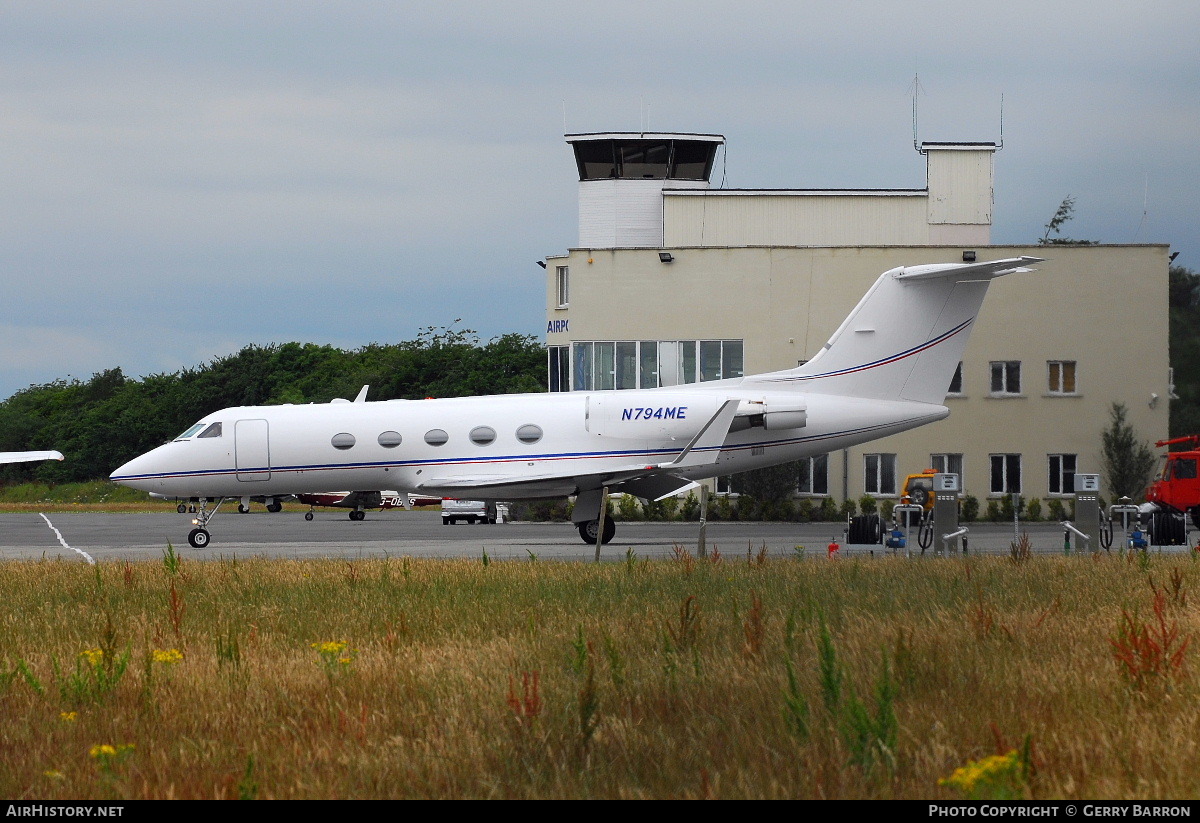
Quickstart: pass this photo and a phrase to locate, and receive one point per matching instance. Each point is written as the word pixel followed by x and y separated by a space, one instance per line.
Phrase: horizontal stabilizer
pixel 967 271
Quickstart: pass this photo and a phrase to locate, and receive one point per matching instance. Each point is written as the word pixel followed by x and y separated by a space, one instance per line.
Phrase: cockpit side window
pixel 213 430
pixel 192 430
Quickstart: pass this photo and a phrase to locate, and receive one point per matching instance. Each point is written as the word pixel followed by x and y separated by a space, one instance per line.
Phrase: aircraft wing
pixel 651 481
pixel 29 457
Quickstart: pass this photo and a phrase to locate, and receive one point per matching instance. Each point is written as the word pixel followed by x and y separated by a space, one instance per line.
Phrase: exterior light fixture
pixel 968 257
pixel 542 263
pixel 665 257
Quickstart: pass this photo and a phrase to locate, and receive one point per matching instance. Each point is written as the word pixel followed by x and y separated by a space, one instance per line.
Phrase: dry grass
pixel 402 678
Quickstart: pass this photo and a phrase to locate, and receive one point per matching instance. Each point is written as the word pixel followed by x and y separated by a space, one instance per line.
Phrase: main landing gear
pixel 589 528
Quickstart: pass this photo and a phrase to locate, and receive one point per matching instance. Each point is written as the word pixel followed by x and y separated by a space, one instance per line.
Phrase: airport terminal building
pixel 674 282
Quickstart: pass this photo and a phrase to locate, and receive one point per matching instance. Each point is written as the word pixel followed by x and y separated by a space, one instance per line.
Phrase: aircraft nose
pixel 134 473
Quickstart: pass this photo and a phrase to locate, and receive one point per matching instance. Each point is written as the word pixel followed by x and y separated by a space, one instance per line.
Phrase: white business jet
pixel 885 370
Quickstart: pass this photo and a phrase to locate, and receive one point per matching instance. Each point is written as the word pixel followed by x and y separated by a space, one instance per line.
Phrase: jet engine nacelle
pixel 772 414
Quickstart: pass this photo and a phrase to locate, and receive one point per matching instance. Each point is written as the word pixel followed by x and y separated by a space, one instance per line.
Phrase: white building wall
pixel 793 218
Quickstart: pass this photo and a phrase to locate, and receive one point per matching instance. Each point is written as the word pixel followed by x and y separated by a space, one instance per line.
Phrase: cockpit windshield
pixel 191 430
pixel 204 429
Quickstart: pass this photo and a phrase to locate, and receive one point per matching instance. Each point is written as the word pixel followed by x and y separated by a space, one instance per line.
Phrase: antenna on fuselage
pixel 362 395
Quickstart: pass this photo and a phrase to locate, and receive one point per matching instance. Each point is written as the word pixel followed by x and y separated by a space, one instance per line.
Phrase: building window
pixel 559 366
pixel 1006 376
pixel 814 475
pixel 626 366
pixel 880 473
pixel 1006 474
pixel 947 464
pixel 1061 376
pixel 645 364
pixel 1062 473
pixel 956 381
pixel 723 484
pixel 562 286
pixel 648 364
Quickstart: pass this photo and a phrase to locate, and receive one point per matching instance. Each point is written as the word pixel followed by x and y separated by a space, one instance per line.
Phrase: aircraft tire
pixel 587 530
pixel 198 538
pixel 242 508
pixel 275 507
pixel 308 515
pixel 181 508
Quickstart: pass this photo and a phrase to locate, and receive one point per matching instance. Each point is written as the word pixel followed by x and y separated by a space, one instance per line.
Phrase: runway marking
pixel 85 555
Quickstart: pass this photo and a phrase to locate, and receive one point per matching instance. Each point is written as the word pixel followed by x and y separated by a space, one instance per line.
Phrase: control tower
pixel 622 176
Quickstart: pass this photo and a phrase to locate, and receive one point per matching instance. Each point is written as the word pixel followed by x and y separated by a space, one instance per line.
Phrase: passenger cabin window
pixel 529 433
pixel 436 437
pixel 190 431
pixel 343 441
pixel 482 435
pixel 390 439
pixel 212 431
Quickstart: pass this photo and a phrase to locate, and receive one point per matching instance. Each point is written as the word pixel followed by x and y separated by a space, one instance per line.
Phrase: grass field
pixel 729 678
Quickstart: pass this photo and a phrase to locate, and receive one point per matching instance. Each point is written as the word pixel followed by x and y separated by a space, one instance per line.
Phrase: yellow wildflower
pixel 330 647
pixel 106 752
pixel 167 656
pixel 93 656
pixel 997 777
pixel 68 717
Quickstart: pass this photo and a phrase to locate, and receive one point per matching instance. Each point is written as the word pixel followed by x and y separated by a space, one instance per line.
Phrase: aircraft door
pixel 252 454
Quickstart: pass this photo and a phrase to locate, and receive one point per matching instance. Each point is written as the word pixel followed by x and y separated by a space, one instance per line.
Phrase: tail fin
pixel 905 338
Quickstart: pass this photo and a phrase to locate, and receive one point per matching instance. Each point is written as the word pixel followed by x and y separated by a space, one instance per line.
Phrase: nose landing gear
pixel 199 537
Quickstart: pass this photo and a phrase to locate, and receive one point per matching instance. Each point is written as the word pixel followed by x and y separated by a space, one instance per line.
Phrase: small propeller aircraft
pixel 357 502
pixel 885 370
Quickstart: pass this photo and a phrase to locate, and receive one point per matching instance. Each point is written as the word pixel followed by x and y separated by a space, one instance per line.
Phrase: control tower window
pixel 596 159
pixel 693 160
pixel 632 159
pixel 645 160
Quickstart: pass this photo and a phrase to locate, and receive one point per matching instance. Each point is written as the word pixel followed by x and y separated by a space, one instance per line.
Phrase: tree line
pixel 101 423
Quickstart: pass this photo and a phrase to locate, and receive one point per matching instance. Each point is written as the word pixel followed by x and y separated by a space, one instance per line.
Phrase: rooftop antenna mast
pixel 916 89
pixel 1000 145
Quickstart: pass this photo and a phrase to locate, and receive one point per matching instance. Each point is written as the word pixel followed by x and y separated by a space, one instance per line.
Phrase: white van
pixel 472 511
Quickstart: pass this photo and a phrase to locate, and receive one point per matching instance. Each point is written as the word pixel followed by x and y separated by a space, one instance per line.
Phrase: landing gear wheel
pixel 181 508
pixel 588 529
pixel 308 515
pixel 274 507
pixel 198 538
pixel 242 509
pixel 357 515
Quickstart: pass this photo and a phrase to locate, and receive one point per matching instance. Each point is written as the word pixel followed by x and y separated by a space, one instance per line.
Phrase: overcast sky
pixel 181 179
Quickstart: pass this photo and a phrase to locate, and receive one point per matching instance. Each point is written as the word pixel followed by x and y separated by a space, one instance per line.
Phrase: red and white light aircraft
pixel 885 370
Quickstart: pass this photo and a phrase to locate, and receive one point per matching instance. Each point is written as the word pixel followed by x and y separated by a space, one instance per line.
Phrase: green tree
pixel 1126 461
pixel 1065 212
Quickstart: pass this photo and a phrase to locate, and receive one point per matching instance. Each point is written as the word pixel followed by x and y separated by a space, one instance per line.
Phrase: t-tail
pixel 905 338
